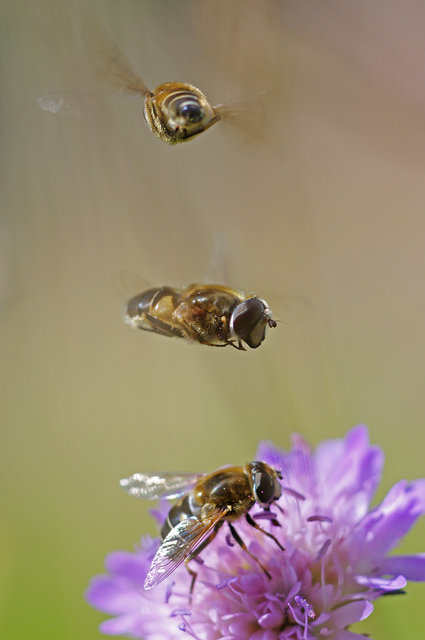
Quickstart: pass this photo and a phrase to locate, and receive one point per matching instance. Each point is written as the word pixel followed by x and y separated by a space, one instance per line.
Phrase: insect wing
pixel 235 109
pixel 59 103
pixel 201 289
pixel 111 62
pixel 127 283
pixel 247 115
pixel 183 540
pixel 78 103
pixel 152 486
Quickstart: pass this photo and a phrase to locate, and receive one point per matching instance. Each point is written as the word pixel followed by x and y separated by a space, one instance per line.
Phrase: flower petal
pixel 261 635
pixel 133 566
pixel 349 471
pixel 271 620
pixel 384 584
pixel 113 595
pixel 351 613
pixel 334 564
pixel 300 472
pixel 381 530
pixel 118 626
pixel 241 625
pixel 411 567
pixel 270 454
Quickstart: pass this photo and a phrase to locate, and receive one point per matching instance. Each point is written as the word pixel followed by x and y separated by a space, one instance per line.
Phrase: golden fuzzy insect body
pixel 178 111
pixel 174 111
pixel 213 315
pixel 206 502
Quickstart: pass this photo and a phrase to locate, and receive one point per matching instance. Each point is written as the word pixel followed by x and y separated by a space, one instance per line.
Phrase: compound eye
pixel 264 487
pixel 246 315
pixel 192 112
pixel 277 489
pixel 249 321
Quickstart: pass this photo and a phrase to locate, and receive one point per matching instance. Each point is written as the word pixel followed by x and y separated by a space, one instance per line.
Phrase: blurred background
pixel 319 208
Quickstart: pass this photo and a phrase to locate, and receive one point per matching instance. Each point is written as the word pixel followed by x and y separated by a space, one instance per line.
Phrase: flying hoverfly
pixel 174 111
pixel 211 314
pixel 205 503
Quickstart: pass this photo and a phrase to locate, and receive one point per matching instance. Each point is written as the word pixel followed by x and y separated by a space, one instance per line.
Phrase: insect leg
pixel 212 344
pixel 193 555
pixel 252 522
pixel 242 544
pixel 163 328
pixel 194 576
pixel 238 346
pixel 279 507
pixel 225 332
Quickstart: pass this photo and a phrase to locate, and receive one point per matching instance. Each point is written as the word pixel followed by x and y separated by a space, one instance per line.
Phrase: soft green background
pixel 320 211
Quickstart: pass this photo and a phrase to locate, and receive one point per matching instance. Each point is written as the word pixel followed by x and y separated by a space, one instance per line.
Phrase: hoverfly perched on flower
pixel 205 503
pixel 210 314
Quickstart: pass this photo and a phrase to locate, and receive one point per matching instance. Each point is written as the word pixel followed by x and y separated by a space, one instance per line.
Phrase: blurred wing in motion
pixel 59 103
pixel 128 284
pixel 112 67
pixel 180 543
pixel 250 107
pixel 218 267
pixel 288 307
pixel 78 103
pixel 111 63
pixel 251 117
pixel 153 486
pixel 246 116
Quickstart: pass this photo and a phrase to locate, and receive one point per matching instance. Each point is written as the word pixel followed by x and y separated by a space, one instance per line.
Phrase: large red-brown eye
pixel 246 315
pixel 264 487
pixel 248 321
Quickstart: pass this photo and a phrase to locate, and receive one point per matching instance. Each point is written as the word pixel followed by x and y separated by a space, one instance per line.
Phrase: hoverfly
pixel 211 314
pixel 205 503
pixel 174 111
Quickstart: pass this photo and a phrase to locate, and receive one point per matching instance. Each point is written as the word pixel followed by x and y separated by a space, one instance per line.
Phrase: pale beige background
pixel 321 211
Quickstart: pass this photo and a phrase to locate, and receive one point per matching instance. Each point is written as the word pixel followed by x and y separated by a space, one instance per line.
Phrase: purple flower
pixel 335 565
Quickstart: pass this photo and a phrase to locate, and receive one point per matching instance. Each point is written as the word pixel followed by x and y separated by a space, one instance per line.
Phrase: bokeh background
pixel 318 207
